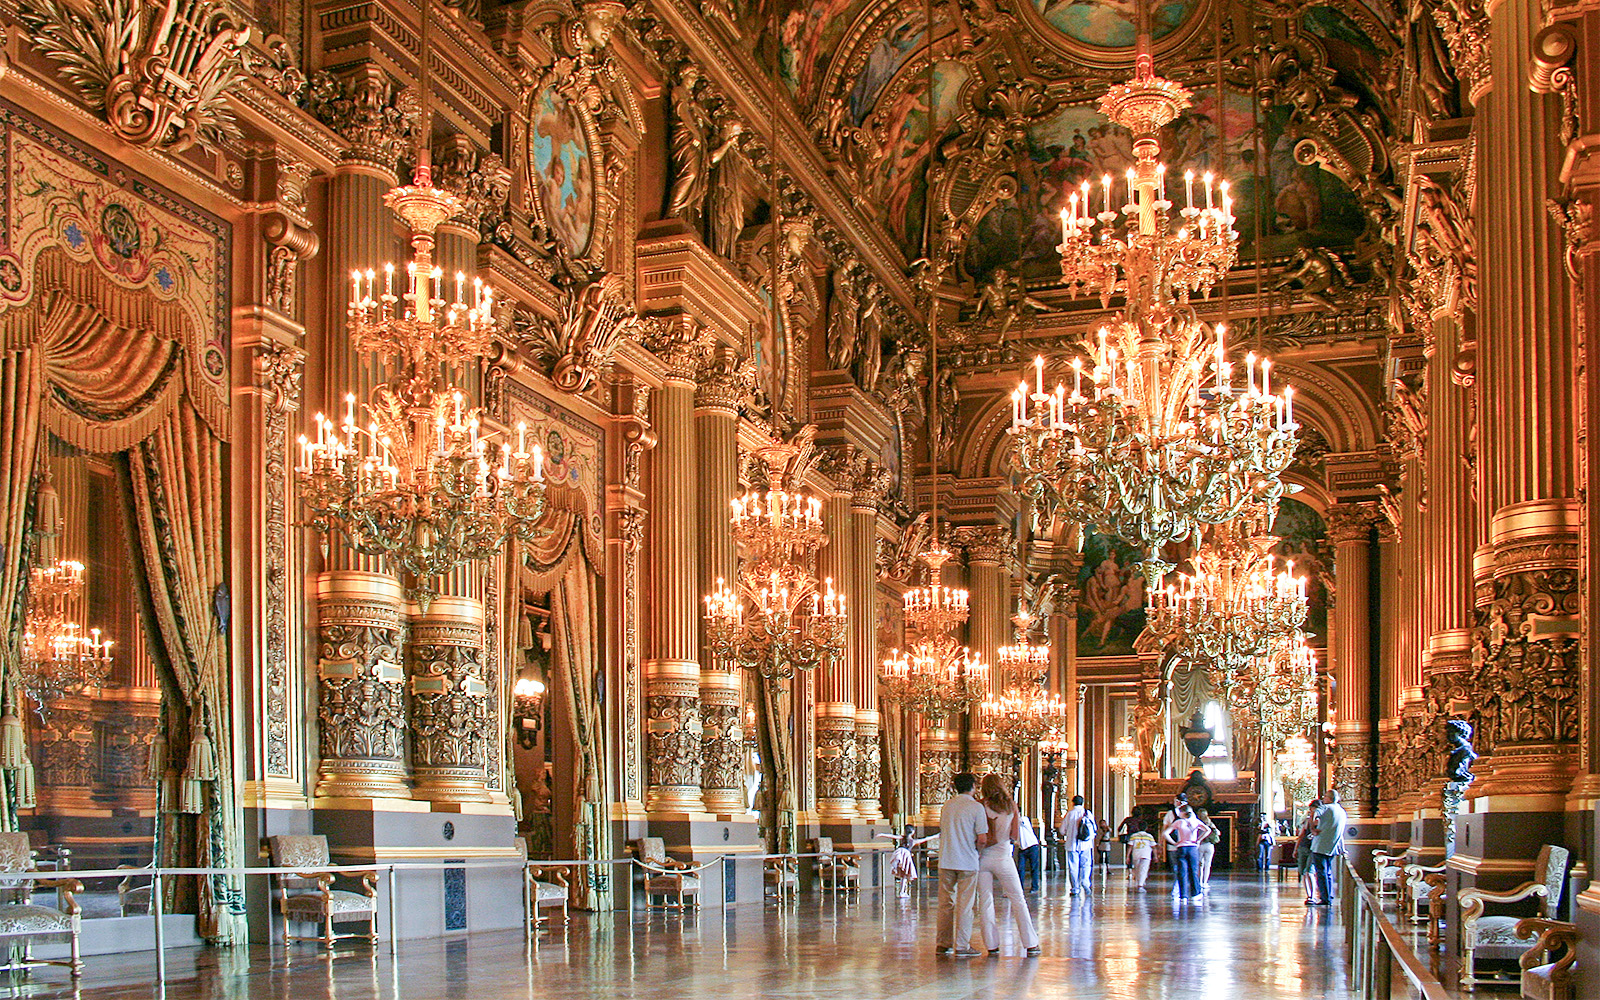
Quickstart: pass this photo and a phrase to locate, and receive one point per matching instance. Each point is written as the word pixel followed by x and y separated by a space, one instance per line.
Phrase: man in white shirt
pixel 1029 854
pixel 1080 848
pixel 963 825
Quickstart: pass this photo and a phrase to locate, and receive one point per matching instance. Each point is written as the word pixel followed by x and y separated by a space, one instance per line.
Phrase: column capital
pixel 723 382
pixel 1352 522
pixel 984 543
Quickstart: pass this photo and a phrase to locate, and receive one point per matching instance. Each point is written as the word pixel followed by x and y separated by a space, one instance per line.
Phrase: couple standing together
pixel 975 862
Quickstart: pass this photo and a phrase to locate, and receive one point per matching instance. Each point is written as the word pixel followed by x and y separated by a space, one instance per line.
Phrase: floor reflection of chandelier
pixel 58 659
pixel 418 480
pixel 1297 768
pixel 1125 758
pixel 935 675
pixel 1158 436
pixel 775 618
pixel 1232 613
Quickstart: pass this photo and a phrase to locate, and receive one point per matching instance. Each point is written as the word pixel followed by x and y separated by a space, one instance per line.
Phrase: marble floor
pixel 1251 939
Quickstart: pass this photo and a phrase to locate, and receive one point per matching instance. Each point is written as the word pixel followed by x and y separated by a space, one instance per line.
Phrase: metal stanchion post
pixel 394 923
pixel 161 935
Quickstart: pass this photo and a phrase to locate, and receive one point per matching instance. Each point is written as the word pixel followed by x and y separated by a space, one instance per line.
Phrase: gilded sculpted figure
pixel 727 187
pixel 1002 299
pixel 844 312
pixel 691 128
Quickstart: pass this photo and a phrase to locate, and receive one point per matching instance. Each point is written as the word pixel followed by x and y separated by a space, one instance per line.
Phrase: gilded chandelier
pixel 1024 712
pixel 58 659
pixel 1282 692
pixel 1297 768
pixel 1125 759
pixel 790 623
pixel 936 676
pixel 419 481
pixel 1232 613
pixel 1158 437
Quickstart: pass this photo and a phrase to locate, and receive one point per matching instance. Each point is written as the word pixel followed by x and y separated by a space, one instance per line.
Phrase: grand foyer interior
pixel 792 257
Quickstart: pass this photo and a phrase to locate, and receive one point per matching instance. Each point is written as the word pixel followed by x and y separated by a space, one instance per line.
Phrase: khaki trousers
pixel 958 897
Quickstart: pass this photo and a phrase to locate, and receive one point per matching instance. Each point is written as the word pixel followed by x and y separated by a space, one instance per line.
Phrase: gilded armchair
pixel 1543 979
pixel 1499 937
pixel 837 871
pixel 782 877
pixel 1387 869
pixel 546 888
pixel 21 918
pixel 666 877
pixel 308 895
pixel 1417 883
pixel 133 899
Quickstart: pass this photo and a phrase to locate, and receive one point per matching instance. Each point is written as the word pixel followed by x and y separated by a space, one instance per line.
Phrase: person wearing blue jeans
pixel 1183 834
pixel 1327 842
pixel 1030 854
pixel 1080 849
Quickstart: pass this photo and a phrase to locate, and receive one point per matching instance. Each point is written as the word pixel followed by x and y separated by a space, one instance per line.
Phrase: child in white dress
pixel 903 865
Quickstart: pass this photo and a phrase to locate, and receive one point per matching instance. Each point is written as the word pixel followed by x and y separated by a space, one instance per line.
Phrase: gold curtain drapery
pixel 20 404
pixel 574 622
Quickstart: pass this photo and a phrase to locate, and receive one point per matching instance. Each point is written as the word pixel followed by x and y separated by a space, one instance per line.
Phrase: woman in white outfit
pixel 997 872
pixel 1208 848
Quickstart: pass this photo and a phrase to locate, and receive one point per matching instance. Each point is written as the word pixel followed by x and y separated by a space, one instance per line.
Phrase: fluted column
pixel 360 687
pixel 1063 632
pixel 1350 529
pixel 1528 367
pixel 988 630
pixel 868 493
pixel 449 701
pixel 835 684
pixel 672 674
pixel 716 429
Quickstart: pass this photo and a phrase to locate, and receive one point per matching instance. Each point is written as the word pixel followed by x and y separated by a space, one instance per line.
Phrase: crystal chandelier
pixel 1125 759
pixel 774 618
pixel 1025 659
pixel 1024 716
pixel 1157 437
pixel 58 659
pixel 936 675
pixel 419 480
pixel 1233 611
pixel 1297 768
pixel 1283 694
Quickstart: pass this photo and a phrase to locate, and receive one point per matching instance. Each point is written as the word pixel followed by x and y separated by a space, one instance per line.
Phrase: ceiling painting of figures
pixel 1109 24
pixel 898 183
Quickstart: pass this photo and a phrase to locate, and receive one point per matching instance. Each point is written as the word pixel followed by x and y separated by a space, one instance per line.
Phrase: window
pixel 1217 762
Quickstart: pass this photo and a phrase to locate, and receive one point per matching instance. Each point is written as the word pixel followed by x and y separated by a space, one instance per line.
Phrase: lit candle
pixel 1188 189
pixel 1207 179
pixel 1133 194
pixel 355 293
pixel 1288 396
pixel 1266 376
pixel 1077 378
pixel 538 463
pixel 522 437
pixel 1105 183
pixel 1038 373
pixel 1250 372
pixel 1161 181
pixel 349 408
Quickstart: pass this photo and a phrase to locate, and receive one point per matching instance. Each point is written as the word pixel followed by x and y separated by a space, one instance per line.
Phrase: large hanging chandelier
pixel 1125 758
pixel 775 618
pixel 1233 611
pixel 1157 437
pixel 1025 658
pixel 58 659
pixel 1023 713
pixel 1297 768
pixel 418 479
pixel 935 675
pixel 1282 695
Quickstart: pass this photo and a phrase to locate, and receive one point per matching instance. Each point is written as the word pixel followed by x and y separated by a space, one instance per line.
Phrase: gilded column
pixel 360 686
pixel 835 685
pixel 1350 529
pixel 1063 633
pixel 449 701
pixel 722 385
pixel 1528 684
pixel 870 485
pixel 672 674
pixel 988 631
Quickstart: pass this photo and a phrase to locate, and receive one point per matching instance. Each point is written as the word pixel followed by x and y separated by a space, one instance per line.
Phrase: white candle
pixel 1105 183
pixel 1038 373
pixel 1188 189
pixel 1288 396
pixel 1161 181
pixel 1250 372
pixel 522 437
pixel 1207 179
pixel 538 463
pixel 1266 376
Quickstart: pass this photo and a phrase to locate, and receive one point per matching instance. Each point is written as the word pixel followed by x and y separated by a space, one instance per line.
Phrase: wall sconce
pixel 527 710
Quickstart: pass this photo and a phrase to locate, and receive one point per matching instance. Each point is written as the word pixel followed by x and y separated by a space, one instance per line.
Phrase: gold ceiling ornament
pixel 58 658
pixel 1157 437
pixel 1125 758
pixel 419 482
pixel 1233 612
pixel 776 617
pixel 935 675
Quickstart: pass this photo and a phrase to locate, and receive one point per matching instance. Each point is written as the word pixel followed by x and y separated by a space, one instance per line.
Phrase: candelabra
pixel 935 674
pixel 1282 693
pixel 418 481
pixel 1024 716
pixel 1024 660
pixel 791 623
pixel 1235 608
pixel 527 710
pixel 1125 758
pixel 58 659
pixel 1297 768
pixel 1162 439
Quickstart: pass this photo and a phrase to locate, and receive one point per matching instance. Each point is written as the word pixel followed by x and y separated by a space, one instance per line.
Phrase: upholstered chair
pixel 1416 886
pixel 1496 936
pixel 666 877
pixel 546 889
pixel 1543 979
pixel 308 895
pixel 23 920
pixel 133 898
pixel 1387 869
pixel 782 878
pixel 837 871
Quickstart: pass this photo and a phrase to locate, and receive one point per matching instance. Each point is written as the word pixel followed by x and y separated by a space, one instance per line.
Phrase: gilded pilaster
pixel 67 760
pixel 1350 529
pixel 938 753
pixel 721 385
pixel 360 686
pixel 836 761
pixel 869 487
pixel 836 683
pixel 449 701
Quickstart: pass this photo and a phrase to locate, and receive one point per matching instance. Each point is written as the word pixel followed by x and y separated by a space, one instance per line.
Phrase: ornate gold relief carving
pixel 594 318
pixel 278 370
pixel 449 701
pixel 361 687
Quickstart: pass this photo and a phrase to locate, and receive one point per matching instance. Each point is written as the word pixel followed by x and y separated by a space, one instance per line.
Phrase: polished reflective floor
pixel 1252 938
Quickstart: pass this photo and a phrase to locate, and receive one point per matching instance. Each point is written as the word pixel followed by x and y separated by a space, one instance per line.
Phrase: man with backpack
pixel 1079 829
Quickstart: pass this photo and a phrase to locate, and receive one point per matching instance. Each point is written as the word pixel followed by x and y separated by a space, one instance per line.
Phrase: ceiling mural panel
pixel 899 184
pixel 1110 25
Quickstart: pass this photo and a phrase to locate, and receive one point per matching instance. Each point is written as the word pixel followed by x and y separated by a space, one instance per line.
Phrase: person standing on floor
pixel 1208 848
pixel 1030 854
pixel 1079 829
pixel 903 864
pixel 997 872
pixel 963 828
pixel 1183 836
pixel 1265 840
pixel 1327 842
pixel 1141 851
pixel 1302 851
